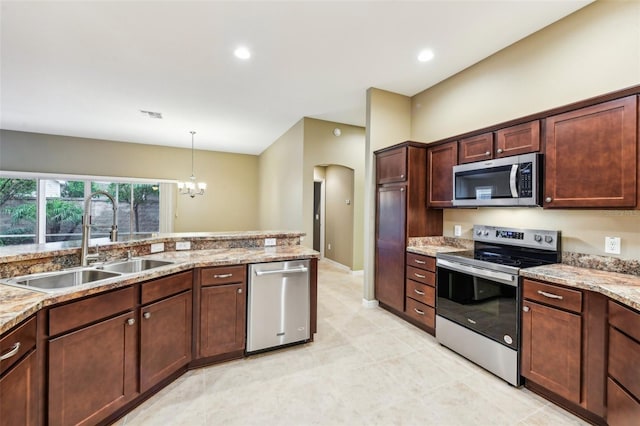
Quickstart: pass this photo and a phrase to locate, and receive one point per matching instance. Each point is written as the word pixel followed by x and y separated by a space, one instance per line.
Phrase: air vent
pixel 152 114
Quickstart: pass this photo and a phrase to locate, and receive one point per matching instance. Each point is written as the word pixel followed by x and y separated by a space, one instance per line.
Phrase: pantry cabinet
pixel 591 156
pixel 401 212
pixel 19 376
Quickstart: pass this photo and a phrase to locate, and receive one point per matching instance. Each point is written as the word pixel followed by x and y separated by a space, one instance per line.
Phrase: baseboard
pixel 369 303
pixel 336 264
pixel 359 273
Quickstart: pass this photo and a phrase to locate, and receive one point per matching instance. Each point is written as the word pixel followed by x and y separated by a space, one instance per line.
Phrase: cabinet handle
pixel 548 200
pixel 222 275
pixel 499 150
pixel 487 153
pixel 550 295
pixel 420 262
pixel 471 321
pixel 419 275
pixel 526 308
pixel 239 290
pixel 401 189
pixel 14 350
pixel 401 176
pixel 421 293
pixel 131 321
pixel 418 311
pixel 147 315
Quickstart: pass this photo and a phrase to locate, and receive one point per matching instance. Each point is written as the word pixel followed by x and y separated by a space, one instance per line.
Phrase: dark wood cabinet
pixel 222 312
pixel 623 384
pixel 475 148
pixel 421 291
pixel 591 156
pixel 564 346
pixel 440 162
pixel 391 166
pixel 401 212
pixel 165 338
pixel 519 139
pixel 92 371
pixel 19 376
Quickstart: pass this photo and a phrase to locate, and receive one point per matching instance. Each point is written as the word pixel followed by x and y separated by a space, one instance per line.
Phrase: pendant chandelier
pixel 190 187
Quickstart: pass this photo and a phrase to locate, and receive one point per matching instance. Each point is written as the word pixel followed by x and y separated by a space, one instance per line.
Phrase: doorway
pixel 317 216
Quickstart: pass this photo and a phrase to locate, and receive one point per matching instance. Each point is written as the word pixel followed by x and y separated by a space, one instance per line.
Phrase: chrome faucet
pixel 86 226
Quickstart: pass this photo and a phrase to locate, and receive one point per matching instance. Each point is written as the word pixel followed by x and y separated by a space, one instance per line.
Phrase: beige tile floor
pixel 366 367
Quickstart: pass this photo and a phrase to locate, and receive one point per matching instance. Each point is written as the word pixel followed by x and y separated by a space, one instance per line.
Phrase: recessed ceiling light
pixel 242 53
pixel 425 55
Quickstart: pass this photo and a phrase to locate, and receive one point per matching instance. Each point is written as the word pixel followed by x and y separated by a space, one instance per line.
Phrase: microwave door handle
pixel 512 180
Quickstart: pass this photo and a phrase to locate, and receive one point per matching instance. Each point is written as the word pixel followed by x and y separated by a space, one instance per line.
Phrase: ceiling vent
pixel 152 114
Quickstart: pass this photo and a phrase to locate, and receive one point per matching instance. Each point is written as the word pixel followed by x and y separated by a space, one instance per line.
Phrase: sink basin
pixel 134 265
pixel 60 280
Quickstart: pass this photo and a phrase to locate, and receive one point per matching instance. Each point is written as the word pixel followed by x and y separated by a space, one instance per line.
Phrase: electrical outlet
pixel 612 245
pixel 457 230
pixel 268 242
pixel 183 245
pixel 329 246
pixel 157 247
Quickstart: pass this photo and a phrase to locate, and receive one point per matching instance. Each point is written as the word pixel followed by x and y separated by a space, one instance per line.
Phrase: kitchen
pixel 489 92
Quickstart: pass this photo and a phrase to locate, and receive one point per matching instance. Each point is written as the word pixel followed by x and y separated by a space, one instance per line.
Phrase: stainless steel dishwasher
pixel 278 304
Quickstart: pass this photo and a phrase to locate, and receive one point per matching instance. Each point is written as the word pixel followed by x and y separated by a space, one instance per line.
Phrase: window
pixel 51 209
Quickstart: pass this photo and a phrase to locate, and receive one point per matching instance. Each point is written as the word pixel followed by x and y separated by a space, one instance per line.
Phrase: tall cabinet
pixel 401 212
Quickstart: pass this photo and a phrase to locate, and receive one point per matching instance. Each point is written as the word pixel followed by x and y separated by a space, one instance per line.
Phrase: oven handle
pixel 479 272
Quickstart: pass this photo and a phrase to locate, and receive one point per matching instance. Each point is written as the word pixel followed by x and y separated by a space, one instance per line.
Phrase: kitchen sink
pixel 51 282
pixel 133 265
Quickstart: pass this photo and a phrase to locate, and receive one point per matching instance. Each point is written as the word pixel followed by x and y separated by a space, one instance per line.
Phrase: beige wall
pixel 339 214
pixel 229 204
pixel 388 123
pixel 592 52
pixel 280 183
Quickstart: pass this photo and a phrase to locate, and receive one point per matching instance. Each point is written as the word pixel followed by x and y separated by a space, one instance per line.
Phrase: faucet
pixel 86 226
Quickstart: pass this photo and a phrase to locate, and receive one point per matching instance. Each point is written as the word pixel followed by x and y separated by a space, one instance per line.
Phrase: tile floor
pixel 366 367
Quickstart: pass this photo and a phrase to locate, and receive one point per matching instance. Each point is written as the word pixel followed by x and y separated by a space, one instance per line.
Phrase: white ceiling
pixel 87 68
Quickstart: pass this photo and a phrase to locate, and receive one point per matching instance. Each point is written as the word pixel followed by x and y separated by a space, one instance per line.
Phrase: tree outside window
pixel 17 211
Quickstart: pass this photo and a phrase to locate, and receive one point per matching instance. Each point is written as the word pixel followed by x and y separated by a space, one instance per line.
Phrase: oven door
pixel 481 300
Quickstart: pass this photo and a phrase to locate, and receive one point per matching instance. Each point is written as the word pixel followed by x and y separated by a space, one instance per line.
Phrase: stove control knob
pixel 486 233
pixel 537 238
pixel 478 232
pixel 548 239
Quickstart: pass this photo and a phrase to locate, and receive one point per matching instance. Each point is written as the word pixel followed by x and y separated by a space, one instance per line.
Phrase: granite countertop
pixel 430 246
pixel 17 304
pixel 432 250
pixel 624 288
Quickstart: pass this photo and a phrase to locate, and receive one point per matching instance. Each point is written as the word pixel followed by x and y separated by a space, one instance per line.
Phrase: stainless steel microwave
pixel 509 181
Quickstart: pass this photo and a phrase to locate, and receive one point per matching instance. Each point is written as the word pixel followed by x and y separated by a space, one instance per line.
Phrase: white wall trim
pixel 358 273
pixel 369 304
pixel 336 264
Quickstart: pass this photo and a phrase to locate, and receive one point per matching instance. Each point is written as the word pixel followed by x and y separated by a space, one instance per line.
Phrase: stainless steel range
pixel 478 295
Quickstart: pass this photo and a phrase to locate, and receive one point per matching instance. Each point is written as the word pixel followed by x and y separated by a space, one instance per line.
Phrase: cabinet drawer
pixel 420 275
pixel 223 275
pixel 421 312
pixel 622 409
pixel 624 361
pixel 624 319
pixel 422 262
pixel 77 314
pixel 166 286
pixel 17 343
pixel 420 292
pixel 549 294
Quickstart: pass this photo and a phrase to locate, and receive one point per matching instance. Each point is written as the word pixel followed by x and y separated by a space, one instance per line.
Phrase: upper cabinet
pixel 475 148
pixel 591 156
pixel 440 161
pixel 520 139
pixel 391 166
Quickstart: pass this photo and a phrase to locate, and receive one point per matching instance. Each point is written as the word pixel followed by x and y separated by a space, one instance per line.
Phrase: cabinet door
pixel 165 338
pixel 19 394
pixel 92 371
pixel 521 139
pixel 591 156
pixel 551 349
pixel 391 166
pixel 476 148
pixel 222 319
pixel 440 161
pixel 390 246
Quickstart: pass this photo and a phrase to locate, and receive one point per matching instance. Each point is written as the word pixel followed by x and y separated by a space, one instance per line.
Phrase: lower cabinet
pixel 420 291
pixel 564 346
pixel 623 383
pixel 19 377
pixel 222 318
